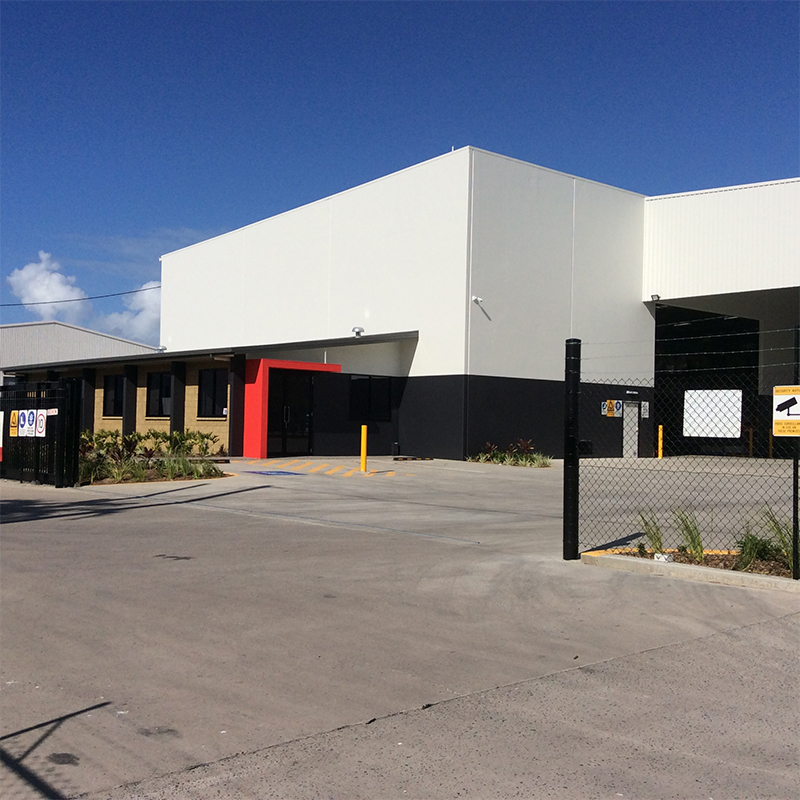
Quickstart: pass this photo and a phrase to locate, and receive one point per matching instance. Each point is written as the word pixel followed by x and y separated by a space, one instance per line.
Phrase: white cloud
pixel 142 321
pixel 42 281
pixel 133 256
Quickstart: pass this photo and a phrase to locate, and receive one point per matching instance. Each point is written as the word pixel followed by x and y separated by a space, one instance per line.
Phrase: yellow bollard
pixel 363 448
pixel 661 441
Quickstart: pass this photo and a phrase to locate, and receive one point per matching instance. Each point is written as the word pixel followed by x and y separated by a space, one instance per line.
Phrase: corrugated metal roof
pixel 29 343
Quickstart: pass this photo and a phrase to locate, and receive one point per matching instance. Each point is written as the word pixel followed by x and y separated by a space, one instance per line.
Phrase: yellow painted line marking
pixel 251 463
pixel 371 473
pixel 303 466
pixel 390 474
pixel 287 464
pixel 348 474
pixel 317 469
pixel 335 469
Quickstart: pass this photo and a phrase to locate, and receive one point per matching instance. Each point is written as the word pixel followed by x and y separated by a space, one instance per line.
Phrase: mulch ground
pixel 726 561
pixel 152 476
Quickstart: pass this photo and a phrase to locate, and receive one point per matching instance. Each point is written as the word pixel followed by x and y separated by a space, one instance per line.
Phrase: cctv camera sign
pixel 786 411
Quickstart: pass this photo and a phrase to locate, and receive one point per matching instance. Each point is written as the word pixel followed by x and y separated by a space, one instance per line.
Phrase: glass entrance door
pixel 289 413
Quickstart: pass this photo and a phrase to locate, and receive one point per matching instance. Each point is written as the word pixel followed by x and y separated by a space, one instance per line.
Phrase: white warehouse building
pixel 433 305
pixel 468 272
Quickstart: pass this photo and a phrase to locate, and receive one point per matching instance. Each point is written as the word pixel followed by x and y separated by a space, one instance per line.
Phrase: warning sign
pixel 41 422
pixel 786 411
pixel 611 408
pixel 13 423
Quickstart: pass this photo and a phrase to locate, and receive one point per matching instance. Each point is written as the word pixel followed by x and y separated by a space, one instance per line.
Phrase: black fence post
pixel 795 476
pixel 60 394
pixel 572 392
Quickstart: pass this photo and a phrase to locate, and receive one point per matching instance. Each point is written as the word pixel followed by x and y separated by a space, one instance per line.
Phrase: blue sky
pixel 132 129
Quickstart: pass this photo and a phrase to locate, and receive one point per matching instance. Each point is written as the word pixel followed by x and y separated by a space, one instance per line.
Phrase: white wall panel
pixel 521 258
pixel 386 256
pixel 608 314
pixel 739 239
pixel 553 256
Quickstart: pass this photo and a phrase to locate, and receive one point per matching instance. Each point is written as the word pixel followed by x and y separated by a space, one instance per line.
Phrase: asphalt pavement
pixel 295 633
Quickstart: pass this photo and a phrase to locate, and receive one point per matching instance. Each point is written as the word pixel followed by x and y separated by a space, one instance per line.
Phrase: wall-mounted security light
pixel 477 300
pixel 358 331
pixel 655 297
pixel 161 348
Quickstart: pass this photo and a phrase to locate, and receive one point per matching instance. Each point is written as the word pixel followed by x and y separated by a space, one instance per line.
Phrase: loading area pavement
pixel 298 635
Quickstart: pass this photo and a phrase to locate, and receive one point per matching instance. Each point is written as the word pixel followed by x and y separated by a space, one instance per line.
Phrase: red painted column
pixel 256 399
pixel 256 396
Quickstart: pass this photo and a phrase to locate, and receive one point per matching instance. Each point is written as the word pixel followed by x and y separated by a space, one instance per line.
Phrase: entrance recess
pixel 630 430
pixel 289 416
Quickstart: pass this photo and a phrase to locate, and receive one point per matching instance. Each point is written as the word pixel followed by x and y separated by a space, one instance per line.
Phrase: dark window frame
pixel 370 398
pixel 159 389
pixel 113 395
pixel 212 392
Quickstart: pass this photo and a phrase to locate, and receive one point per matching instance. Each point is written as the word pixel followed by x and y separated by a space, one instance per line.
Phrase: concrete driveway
pixel 306 634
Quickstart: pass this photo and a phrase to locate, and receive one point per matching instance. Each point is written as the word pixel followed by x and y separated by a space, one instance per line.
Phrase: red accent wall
pixel 256 398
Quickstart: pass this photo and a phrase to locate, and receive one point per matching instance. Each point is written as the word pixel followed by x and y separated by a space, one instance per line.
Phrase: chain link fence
pixel 686 464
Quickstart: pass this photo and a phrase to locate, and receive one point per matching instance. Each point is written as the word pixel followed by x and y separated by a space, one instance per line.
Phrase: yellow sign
pixel 786 411
pixel 13 422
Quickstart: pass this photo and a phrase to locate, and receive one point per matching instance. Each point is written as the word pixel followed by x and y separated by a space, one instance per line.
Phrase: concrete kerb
pixel 690 572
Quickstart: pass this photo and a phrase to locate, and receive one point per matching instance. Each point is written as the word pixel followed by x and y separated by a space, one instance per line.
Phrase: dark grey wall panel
pixel 504 410
pixel 432 417
pixel 334 432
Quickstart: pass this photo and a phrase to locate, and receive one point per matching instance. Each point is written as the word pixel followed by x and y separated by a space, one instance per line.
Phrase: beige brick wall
pixel 216 425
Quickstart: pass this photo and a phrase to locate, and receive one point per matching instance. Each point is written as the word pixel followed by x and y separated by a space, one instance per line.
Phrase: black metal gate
pixel 41 432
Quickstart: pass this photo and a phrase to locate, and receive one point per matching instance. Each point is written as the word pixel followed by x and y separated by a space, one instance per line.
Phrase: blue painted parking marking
pixel 272 472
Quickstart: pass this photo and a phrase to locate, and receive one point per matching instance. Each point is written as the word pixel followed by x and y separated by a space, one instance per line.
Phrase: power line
pixel 79 299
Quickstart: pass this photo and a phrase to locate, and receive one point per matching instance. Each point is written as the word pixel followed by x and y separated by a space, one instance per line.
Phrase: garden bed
pixel 107 457
pixel 723 559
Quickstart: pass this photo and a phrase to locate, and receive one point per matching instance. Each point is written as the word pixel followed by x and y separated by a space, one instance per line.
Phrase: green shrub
pixel 520 454
pixel 652 532
pixel 108 454
pixel 781 530
pixel 752 548
pixel 119 468
pixel 690 531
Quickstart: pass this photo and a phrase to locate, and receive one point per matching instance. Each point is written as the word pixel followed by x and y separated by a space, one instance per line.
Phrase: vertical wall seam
pixel 330 262
pixel 468 326
pixel 468 299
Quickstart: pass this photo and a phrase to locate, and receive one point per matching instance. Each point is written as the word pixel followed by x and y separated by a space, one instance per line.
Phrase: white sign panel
pixel 30 425
pixel 786 411
pixel 712 413
pixel 41 422
pixel 645 409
